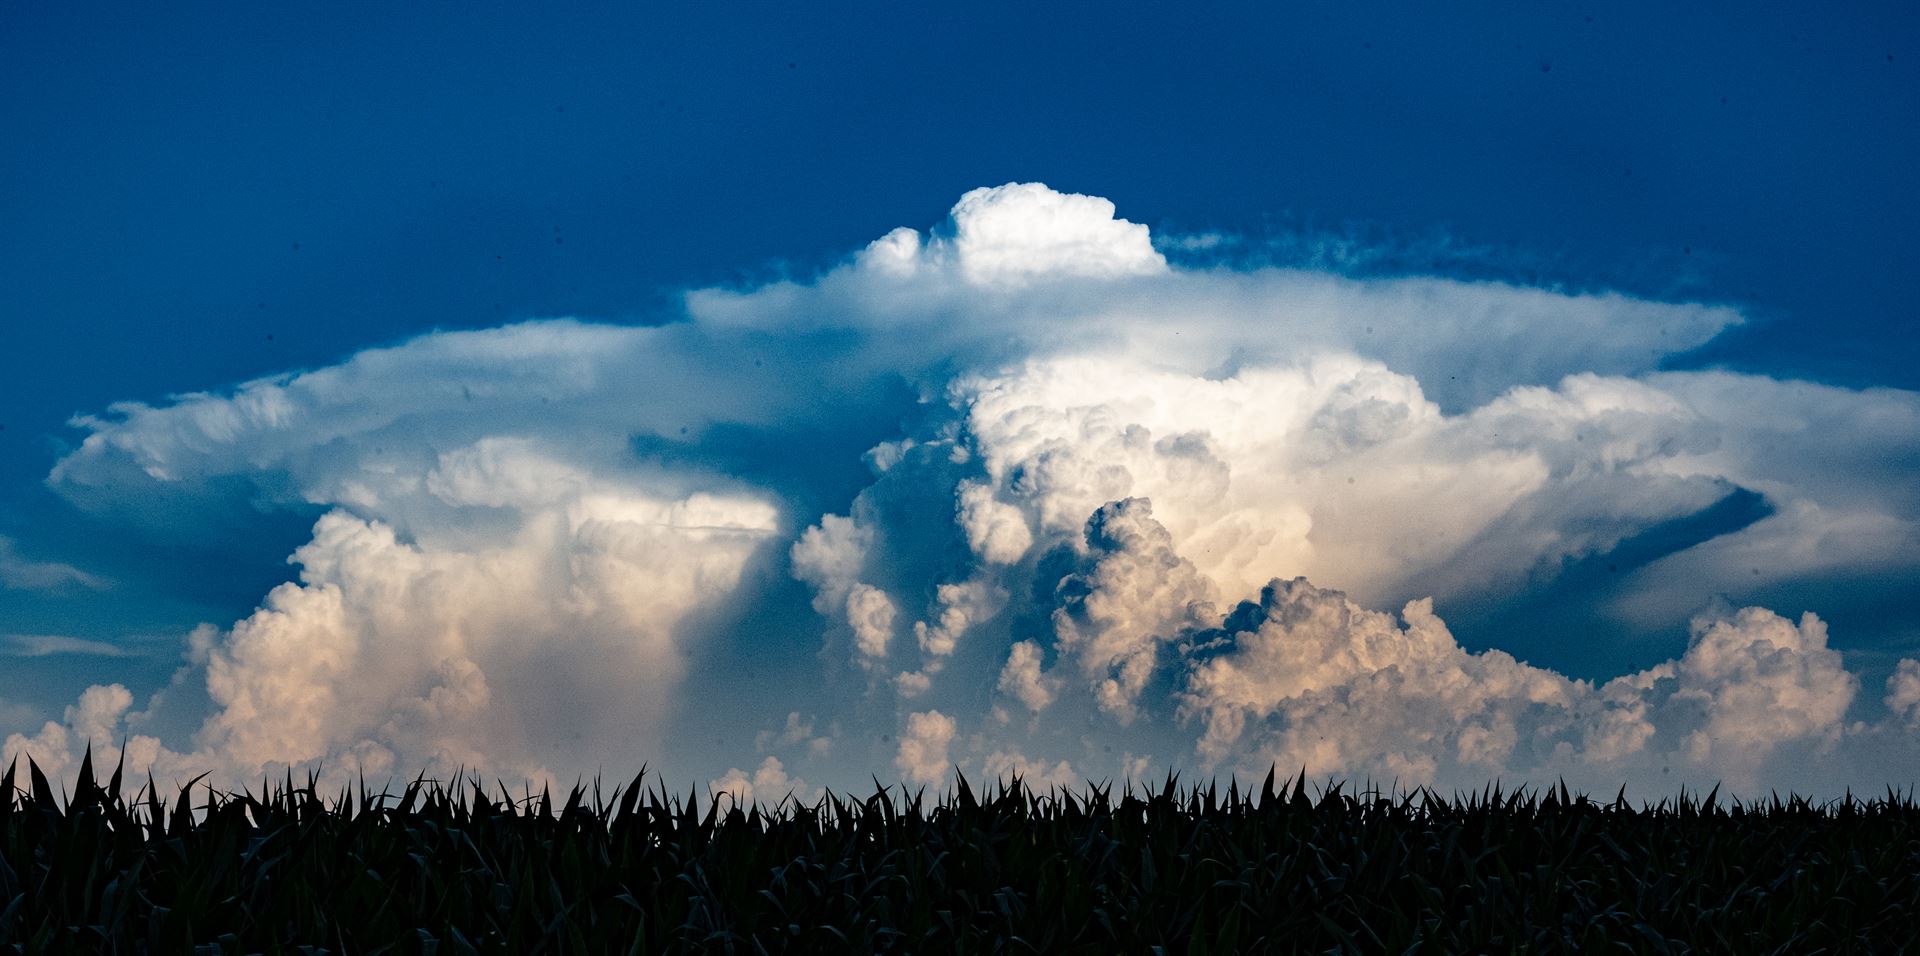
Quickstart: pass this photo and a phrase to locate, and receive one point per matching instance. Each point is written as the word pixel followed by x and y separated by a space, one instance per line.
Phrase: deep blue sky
pixel 195 195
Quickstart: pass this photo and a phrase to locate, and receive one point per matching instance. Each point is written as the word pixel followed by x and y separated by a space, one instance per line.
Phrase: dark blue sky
pixel 194 195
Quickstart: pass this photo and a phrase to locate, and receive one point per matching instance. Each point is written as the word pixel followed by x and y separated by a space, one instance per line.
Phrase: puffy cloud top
pixel 1022 230
pixel 1012 234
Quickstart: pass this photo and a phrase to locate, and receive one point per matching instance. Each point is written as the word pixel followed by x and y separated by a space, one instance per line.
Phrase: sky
pixel 785 397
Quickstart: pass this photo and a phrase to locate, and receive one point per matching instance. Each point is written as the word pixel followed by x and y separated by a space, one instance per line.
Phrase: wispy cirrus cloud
pixel 22 573
pixel 43 645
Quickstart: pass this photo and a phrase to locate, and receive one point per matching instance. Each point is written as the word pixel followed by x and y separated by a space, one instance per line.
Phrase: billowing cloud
pixel 1321 682
pixel 548 640
pixel 1903 693
pixel 768 784
pixel 1112 508
pixel 1135 594
pixel 1023 680
pixel 92 721
pixel 870 613
pixel 1008 235
pixel 1340 468
pixel 923 748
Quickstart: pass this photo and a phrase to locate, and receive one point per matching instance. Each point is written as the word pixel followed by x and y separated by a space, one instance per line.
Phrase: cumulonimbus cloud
pixel 1085 546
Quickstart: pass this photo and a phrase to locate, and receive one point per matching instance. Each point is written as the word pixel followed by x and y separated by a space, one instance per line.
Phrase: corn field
pixel 453 868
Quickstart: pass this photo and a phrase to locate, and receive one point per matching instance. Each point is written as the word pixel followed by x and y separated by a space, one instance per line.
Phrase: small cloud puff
pixel 769 784
pixel 922 758
pixel 1021 232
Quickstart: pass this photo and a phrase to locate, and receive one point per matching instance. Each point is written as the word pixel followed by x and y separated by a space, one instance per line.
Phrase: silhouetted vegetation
pixel 451 868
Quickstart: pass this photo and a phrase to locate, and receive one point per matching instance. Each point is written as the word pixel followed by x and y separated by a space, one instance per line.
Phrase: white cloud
pixel 958 607
pixel 1135 595
pixel 912 684
pixel 21 573
pixel 922 758
pixel 1903 692
pixel 453 656
pixel 1022 677
pixel 996 531
pixel 1835 464
pixel 794 732
pixel 870 613
pixel 1340 469
pixel 89 723
pixel 1099 456
pixel 829 556
pixel 1325 684
pixel 1009 235
pixel 42 645
pixel 1002 766
pixel 1762 680
pixel 456 648
pixel 768 785
pixel 1023 230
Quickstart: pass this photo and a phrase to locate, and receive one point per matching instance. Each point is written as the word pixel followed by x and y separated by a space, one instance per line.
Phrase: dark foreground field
pixel 1178 870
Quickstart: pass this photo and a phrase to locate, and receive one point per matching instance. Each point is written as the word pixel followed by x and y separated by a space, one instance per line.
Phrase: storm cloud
pixel 1116 514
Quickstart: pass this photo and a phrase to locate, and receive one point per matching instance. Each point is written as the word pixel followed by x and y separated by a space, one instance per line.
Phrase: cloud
pixel 1903 693
pixel 1022 677
pixel 447 656
pixel 958 606
pixel 1095 489
pixel 1340 468
pixel 1761 680
pixel 1002 766
pixel 923 748
pixel 769 784
pixel 550 640
pixel 1835 464
pixel 43 645
pixel 15 714
pixel 795 731
pixel 830 557
pixel 870 613
pixel 90 721
pixel 1135 594
pixel 1006 234
pixel 1010 235
pixel 19 573
pixel 1322 683
pixel 996 531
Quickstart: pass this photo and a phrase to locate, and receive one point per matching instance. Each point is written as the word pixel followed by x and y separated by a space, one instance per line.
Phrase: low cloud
pixel 1323 683
pixel 923 755
pixel 769 784
pixel 1115 510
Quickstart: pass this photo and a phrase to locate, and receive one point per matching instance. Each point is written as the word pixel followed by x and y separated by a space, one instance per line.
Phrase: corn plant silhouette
pixel 458 867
